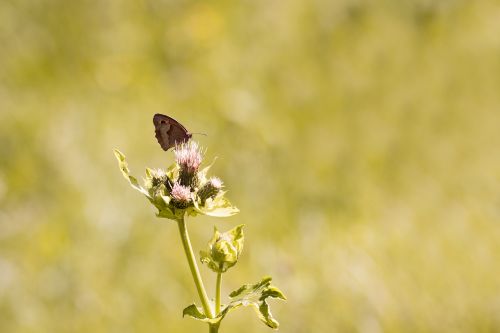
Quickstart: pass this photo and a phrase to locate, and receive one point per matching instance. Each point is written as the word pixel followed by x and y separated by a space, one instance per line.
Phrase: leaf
pixel 165 211
pixel 202 174
pixel 253 295
pixel 173 171
pixel 149 173
pixel 250 289
pixel 193 312
pixel 218 207
pixel 122 163
pixel 196 313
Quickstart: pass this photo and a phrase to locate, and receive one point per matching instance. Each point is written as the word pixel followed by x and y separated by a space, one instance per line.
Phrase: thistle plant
pixel 182 190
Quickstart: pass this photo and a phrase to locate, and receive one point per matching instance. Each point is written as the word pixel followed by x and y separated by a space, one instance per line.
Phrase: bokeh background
pixel 360 139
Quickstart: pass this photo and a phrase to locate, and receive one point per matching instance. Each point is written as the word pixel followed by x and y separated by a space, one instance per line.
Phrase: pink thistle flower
pixel 189 156
pixel 181 195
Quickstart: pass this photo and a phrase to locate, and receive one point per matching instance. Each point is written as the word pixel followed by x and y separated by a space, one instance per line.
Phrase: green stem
pixel 194 269
pixel 217 293
pixel 213 328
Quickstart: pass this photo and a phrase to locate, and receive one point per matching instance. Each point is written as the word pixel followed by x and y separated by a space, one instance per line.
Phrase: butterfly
pixel 169 131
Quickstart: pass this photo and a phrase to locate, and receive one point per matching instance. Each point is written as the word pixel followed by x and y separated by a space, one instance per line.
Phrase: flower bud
pixel 188 156
pixel 156 184
pixel 224 249
pixel 210 189
pixel 181 195
pixel 154 178
pixel 158 177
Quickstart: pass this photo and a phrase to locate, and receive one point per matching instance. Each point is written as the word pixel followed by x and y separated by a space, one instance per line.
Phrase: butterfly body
pixel 169 131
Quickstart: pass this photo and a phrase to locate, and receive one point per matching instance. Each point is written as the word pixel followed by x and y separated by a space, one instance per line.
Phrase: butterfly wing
pixel 169 131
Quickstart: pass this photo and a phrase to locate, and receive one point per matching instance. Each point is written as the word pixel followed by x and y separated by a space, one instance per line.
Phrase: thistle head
pixel 210 189
pixel 158 177
pixel 181 195
pixel 188 156
pixel 182 187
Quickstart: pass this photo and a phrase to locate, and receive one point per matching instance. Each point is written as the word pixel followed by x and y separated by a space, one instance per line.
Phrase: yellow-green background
pixel 360 139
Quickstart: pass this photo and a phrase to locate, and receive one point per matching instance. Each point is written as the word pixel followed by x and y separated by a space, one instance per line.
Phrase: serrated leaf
pixel 253 295
pixel 251 289
pixel 122 163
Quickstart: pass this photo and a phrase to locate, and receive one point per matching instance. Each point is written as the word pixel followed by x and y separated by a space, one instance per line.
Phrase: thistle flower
pixel 188 156
pixel 184 190
pixel 210 189
pixel 174 194
pixel 158 177
pixel 181 195
pixel 180 192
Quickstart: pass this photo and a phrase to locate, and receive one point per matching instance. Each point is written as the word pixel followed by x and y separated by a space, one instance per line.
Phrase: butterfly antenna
pixel 204 134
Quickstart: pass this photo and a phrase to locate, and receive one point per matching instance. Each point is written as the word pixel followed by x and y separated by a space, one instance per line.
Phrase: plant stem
pixel 217 293
pixel 194 269
pixel 213 328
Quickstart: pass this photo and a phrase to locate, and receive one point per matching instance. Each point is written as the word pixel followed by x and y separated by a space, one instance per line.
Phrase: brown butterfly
pixel 169 131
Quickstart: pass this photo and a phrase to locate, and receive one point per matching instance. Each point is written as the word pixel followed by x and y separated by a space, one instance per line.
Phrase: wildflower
pixel 182 187
pixel 184 190
pixel 189 157
pixel 158 177
pixel 210 189
pixel 181 195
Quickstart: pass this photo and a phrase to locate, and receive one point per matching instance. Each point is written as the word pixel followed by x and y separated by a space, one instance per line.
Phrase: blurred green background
pixel 360 139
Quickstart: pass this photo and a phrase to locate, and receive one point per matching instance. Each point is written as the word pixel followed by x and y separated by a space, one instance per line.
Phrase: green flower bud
pixel 154 178
pixel 158 177
pixel 155 183
pixel 224 249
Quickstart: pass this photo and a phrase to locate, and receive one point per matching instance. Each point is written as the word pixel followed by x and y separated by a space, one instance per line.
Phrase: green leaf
pixel 256 295
pixel 166 212
pixel 251 289
pixel 149 173
pixel 202 174
pixel 197 313
pixel 194 312
pixel 253 295
pixel 217 207
pixel 122 163
pixel 173 172
pixel 264 314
